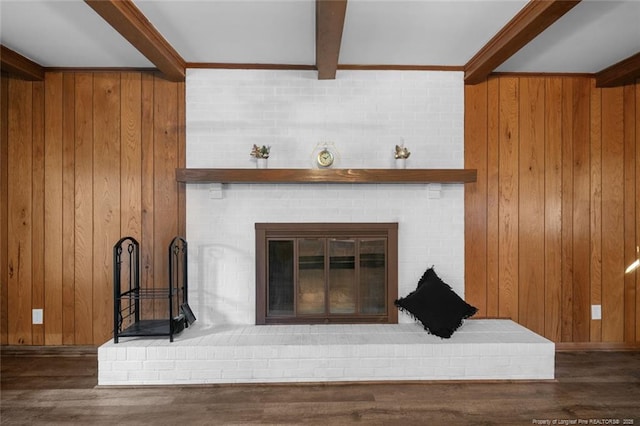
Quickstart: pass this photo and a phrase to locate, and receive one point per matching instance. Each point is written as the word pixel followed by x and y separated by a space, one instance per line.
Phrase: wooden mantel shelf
pixel 398 176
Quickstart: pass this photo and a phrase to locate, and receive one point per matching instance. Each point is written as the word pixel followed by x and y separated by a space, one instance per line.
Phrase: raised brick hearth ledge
pixel 480 350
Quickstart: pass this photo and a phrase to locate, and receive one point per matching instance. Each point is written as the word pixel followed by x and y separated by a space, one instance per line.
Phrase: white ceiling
pixel 590 37
pixel 64 34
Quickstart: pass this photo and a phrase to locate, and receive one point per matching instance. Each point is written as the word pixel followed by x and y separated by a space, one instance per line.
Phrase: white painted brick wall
pixel 365 114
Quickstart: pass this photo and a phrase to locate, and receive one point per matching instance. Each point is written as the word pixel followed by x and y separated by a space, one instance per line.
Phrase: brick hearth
pixel 479 350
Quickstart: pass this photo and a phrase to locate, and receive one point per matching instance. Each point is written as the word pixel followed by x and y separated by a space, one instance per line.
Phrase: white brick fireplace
pixel 364 114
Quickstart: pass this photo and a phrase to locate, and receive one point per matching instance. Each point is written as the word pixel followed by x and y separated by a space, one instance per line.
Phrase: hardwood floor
pixel 49 387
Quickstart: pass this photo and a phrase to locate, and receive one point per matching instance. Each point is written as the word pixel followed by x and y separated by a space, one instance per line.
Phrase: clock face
pixel 325 158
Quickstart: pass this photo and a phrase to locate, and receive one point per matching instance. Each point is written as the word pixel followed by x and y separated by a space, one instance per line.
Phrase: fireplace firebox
pixel 310 273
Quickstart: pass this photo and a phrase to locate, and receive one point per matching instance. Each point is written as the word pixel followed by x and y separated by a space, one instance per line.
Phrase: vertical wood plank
pixel 131 155
pixel 19 198
pixel 4 211
pixel 182 156
pixel 475 157
pixel 493 197
pixel 508 202
pixel 165 185
pixel 37 213
pixel 613 218
pixel 596 208
pixel 567 212
pixel 637 197
pixel 581 203
pixel 630 237
pixel 531 204
pixel 83 232
pixel 68 209
pixel 106 198
pixel 148 225
pixel 53 208
pixel 553 208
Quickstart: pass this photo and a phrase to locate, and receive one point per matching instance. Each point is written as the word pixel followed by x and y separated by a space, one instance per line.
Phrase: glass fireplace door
pixel 311 276
pixel 343 291
pixel 281 291
pixel 372 282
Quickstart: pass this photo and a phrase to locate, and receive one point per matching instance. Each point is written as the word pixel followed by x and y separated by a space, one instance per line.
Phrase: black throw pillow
pixel 435 304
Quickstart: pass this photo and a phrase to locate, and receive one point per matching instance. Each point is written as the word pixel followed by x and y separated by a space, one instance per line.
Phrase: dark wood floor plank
pixel 62 389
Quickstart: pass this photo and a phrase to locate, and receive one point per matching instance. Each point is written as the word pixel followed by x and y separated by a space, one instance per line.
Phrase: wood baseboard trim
pixel 597 346
pixel 16 350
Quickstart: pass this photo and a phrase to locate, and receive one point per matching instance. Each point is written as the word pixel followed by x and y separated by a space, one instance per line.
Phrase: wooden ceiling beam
pixel 129 21
pixel 533 19
pixel 621 73
pixel 16 64
pixel 329 25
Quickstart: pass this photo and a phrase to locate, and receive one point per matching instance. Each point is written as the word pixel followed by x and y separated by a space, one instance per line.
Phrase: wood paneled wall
pixel 554 217
pixel 87 157
pixel 550 225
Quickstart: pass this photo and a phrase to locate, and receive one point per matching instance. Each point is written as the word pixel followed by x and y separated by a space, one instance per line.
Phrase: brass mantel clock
pixel 325 158
pixel 325 155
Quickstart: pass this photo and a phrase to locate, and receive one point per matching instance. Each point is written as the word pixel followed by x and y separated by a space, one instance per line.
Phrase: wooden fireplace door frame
pixel 269 231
